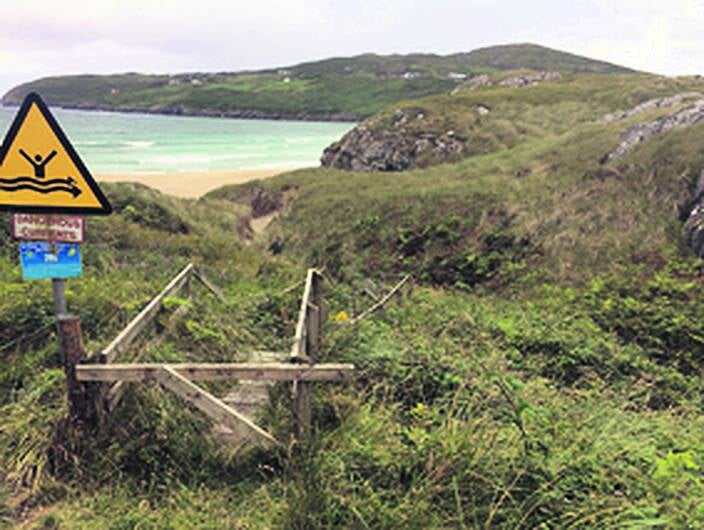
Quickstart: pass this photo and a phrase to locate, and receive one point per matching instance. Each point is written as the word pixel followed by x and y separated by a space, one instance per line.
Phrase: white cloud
pixel 655 36
pixel 41 38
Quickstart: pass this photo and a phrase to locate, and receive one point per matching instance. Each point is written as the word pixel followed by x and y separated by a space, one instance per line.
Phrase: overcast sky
pixel 43 37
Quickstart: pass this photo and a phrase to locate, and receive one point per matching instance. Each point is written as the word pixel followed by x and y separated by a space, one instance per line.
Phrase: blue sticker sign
pixel 42 260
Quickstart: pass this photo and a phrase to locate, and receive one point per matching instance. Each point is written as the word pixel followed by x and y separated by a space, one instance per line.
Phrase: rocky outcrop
pixel 692 211
pixel 689 115
pixel 657 103
pixel 473 83
pixel 364 149
pixel 530 79
pixel 398 148
pixel 512 82
pixel 694 220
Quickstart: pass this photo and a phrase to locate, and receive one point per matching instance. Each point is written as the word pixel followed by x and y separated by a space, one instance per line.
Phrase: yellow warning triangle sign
pixel 41 172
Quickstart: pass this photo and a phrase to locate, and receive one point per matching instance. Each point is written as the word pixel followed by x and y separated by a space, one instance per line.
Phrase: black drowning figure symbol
pixel 38 163
pixel 39 182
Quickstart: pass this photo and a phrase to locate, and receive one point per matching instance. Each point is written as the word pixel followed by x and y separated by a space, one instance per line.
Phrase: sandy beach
pixel 193 185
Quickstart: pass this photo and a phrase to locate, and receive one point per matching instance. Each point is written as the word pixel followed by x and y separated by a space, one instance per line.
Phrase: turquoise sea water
pixel 110 142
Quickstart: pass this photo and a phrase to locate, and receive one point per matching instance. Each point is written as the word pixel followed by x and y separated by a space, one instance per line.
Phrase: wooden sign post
pixel 71 340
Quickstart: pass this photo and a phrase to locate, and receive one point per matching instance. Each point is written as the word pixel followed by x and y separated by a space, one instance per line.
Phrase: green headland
pixel 332 89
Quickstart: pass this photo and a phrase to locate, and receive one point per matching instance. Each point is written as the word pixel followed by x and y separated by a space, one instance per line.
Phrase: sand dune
pixel 193 185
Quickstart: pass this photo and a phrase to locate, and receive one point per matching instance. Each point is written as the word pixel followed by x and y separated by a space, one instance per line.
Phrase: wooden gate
pixel 302 369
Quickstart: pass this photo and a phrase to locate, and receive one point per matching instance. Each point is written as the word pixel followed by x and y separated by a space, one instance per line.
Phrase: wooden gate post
pixel 71 342
pixel 307 349
pixel 314 320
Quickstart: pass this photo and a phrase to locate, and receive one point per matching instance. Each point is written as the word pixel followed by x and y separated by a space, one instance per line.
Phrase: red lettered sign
pixel 53 228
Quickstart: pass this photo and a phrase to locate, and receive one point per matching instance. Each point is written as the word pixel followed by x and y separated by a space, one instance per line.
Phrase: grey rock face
pixel 530 79
pixel 512 82
pixel 657 103
pixel 473 83
pixel 694 224
pixel 690 114
pixel 364 149
pixel 638 134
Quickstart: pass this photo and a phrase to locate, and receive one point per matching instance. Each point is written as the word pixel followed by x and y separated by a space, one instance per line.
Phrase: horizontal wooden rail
pixel 216 372
pixel 146 315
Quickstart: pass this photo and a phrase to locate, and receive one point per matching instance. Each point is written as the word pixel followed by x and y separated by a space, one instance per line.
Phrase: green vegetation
pixel 349 88
pixel 492 118
pixel 514 56
pixel 537 198
pixel 545 371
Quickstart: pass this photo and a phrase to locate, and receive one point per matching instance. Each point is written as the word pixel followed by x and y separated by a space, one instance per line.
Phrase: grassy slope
pixel 550 378
pixel 536 176
pixel 539 112
pixel 513 56
pixel 357 86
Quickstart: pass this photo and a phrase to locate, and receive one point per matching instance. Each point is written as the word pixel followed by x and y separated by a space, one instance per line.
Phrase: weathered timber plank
pixel 138 323
pixel 217 372
pixel 309 348
pixel 313 332
pixel 115 395
pixel 250 397
pixel 300 338
pixel 214 408
pixel 302 414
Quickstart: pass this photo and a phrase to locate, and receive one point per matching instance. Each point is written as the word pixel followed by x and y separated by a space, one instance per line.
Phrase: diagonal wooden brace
pixel 214 408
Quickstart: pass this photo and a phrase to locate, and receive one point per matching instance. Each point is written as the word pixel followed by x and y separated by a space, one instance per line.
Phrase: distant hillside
pixel 515 56
pixel 332 89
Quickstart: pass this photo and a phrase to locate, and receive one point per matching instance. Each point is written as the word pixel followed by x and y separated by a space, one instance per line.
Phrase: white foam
pixel 138 144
